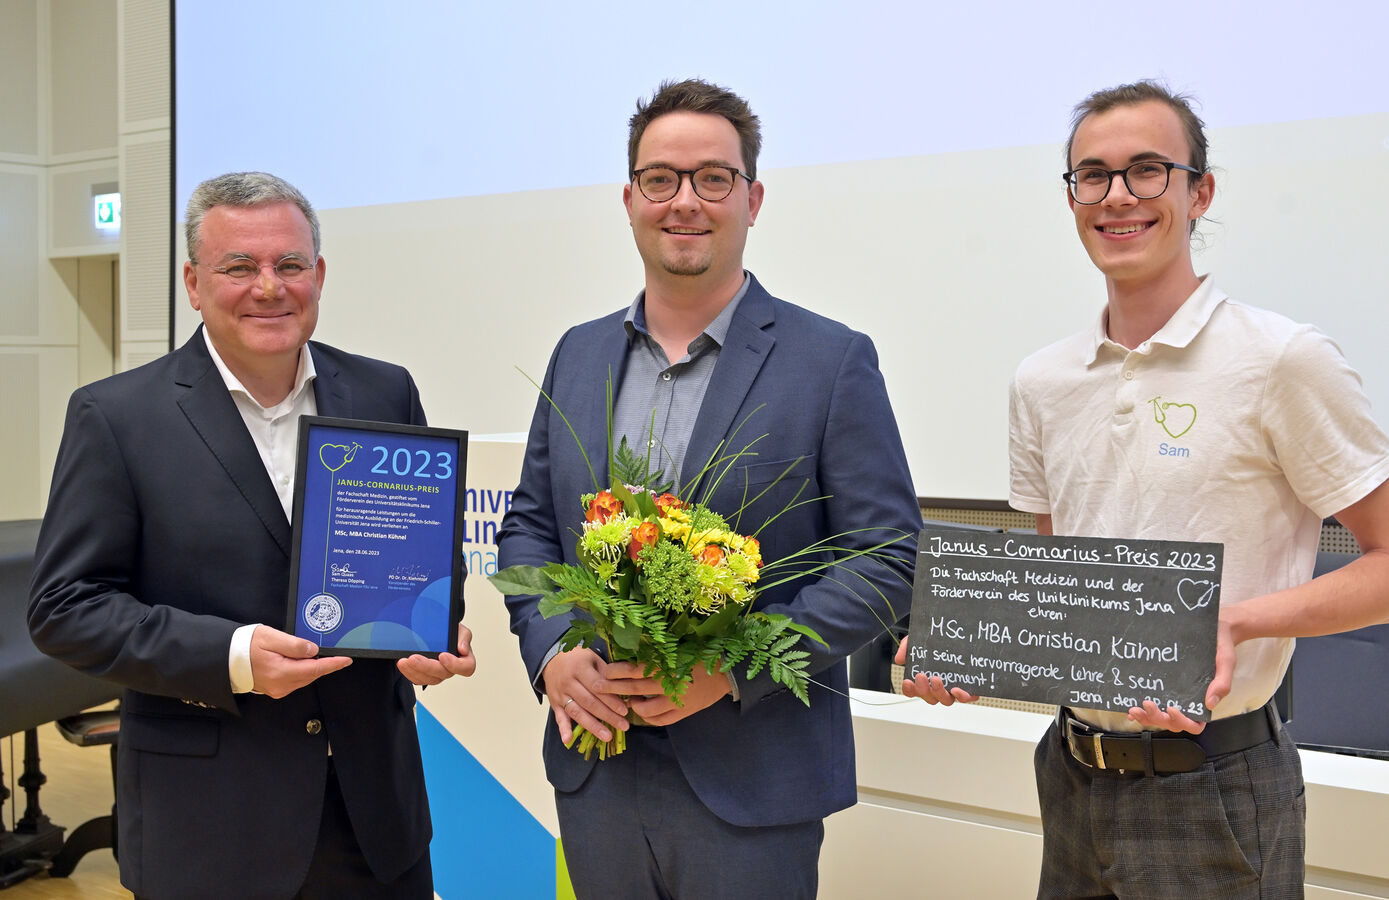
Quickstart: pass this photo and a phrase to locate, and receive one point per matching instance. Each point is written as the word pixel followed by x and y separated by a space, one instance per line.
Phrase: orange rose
pixel 644 535
pixel 603 507
pixel 711 555
pixel 752 548
pixel 667 502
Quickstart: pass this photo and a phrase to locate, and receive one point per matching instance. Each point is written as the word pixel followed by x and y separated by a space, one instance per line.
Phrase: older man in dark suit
pixel 247 767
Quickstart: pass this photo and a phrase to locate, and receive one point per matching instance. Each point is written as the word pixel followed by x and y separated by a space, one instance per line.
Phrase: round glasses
pixel 1145 180
pixel 713 183
pixel 243 271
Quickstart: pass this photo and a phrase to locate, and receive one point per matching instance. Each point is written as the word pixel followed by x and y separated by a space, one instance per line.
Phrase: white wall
pixel 57 140
pixel 84 105
pixel 911 159
pixel 954 288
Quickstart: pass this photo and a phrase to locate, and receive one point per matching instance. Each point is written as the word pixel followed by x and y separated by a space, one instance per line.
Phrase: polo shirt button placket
pixel 1124 393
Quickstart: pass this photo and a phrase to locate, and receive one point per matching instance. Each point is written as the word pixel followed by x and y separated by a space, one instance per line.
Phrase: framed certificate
pixel 375 566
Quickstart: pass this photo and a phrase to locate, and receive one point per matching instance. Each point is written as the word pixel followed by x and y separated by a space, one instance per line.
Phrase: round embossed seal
pixel 323 613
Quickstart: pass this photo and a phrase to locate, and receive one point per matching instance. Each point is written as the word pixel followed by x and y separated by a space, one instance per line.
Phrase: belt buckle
pixel 1077 732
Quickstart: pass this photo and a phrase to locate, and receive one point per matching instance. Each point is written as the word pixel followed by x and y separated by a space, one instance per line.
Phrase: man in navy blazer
pixel 246 767
pixel 725 795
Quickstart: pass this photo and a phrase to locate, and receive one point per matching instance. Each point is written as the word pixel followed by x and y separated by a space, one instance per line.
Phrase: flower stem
pixel 585 742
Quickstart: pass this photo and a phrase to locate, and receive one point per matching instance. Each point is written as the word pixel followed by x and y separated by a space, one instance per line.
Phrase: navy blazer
pixel 765 759
pixel 163 534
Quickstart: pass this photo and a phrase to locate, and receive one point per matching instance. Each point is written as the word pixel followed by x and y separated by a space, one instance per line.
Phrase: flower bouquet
pixel 666 583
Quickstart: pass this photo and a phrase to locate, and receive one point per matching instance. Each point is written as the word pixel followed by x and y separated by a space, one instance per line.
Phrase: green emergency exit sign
pixel 108 211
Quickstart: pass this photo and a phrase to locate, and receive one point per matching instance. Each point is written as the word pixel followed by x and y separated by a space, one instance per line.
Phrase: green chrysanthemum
pixel 743 567
pixel 607 539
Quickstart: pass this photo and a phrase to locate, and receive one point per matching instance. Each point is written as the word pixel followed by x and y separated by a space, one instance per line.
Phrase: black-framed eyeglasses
pixel 1145 180
pixel 242 270
pixel 713 183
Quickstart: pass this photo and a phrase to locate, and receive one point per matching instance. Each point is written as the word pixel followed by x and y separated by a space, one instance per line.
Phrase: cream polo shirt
pixel 1231 424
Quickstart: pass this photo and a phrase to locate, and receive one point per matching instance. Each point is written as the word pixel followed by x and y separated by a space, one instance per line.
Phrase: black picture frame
pixel 376 568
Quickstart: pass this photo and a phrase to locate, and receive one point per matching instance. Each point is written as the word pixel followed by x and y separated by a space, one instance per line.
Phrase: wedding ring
pixel 567 702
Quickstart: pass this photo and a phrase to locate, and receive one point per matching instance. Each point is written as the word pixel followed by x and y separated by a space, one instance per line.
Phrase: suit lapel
pixel 591 422
pixel 742 356
pixel 204 399
pixel 331 395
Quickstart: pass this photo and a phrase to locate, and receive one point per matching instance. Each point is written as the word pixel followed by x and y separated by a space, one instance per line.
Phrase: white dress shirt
pixel 275 431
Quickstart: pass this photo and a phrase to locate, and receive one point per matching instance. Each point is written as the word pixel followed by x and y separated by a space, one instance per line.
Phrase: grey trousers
pixel 635 830
pixel 1234 828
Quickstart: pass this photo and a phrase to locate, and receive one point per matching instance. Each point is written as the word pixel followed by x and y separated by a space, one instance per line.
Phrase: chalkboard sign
pixel 1091 623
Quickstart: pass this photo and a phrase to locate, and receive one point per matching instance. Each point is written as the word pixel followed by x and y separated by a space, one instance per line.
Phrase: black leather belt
pixel 1165 752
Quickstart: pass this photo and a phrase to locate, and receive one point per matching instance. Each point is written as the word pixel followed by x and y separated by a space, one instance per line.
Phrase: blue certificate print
pixel 378 520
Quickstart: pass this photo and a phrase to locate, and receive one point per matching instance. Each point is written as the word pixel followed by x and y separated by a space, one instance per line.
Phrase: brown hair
pixel 697 95
pixel 1141 92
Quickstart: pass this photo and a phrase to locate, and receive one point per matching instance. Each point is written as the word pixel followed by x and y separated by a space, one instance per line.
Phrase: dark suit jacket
pixel 766 759
pixel 164 534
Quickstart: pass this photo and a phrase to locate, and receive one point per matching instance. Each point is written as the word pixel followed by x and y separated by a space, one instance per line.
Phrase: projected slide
pixel 361 103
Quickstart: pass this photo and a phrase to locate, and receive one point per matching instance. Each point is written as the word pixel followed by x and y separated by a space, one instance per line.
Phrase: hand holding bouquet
pixel 668 585
pixel 665 583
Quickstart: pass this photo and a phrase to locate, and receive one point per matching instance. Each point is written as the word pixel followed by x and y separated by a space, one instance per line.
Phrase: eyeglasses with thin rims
pixel 244 271
pixel 1145 180
pixel 712 183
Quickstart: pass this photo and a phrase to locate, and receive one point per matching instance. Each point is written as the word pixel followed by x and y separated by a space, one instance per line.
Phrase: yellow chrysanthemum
pixel 677 528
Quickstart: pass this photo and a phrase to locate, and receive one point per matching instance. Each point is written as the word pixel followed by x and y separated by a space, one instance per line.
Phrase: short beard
pixel 681 267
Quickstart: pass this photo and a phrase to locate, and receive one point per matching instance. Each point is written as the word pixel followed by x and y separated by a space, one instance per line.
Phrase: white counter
pixel 948 808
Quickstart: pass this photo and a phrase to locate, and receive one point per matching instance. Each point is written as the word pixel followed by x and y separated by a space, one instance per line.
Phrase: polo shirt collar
pixel 1187 322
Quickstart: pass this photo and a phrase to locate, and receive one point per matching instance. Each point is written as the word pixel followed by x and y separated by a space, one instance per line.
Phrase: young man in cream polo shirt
pixel 1185 415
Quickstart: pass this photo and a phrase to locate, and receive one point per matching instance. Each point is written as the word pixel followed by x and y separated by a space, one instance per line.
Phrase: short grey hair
pixel 242 189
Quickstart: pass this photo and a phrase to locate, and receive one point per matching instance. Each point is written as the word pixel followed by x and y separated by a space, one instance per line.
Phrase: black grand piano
pixel 35 690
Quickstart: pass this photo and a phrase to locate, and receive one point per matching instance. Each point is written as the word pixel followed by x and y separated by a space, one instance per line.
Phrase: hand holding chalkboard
pixel 927 686
pixel 1083 622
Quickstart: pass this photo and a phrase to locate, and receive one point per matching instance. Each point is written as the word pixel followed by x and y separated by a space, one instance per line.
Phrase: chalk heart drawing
pixel 335 456
pixel 1175 418
pixel 1196 594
